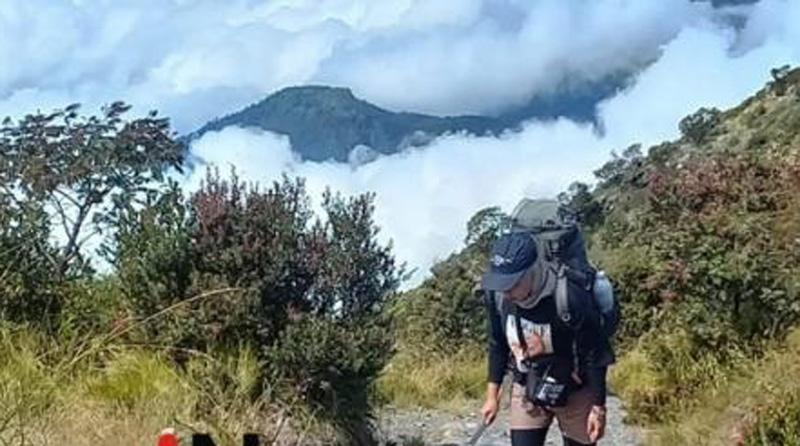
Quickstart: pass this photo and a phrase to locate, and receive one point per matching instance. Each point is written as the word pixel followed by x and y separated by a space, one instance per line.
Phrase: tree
pixel 28 291
pixel 779 79
pixel 579 198
pixel 485 226
pixel 358 272
pixel 79 169
pixel 150 252
pixel 611 173
pixel 698 126
pixel 308 294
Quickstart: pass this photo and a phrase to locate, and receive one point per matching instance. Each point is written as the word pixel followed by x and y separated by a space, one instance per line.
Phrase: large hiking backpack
pixel 580 290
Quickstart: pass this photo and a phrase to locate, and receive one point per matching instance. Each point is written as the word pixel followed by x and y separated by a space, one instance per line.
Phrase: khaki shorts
pixel 572 417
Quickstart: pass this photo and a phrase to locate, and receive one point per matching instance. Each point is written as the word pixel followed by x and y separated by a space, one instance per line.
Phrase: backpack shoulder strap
pixel 520 333
pixel 562 296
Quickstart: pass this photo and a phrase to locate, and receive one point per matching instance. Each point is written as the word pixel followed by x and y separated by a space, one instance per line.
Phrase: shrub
pixel 662 376
pixel 331 367
pixel 698 126
pixel 91 308
pixel 29 289
pixel 234 266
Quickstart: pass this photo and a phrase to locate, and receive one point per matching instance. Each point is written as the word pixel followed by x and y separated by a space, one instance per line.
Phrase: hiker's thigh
pixel 525 416
pixel 573 417
pixel 528 437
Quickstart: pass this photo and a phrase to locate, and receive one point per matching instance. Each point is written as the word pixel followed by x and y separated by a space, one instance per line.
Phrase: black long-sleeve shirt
pixel 559 341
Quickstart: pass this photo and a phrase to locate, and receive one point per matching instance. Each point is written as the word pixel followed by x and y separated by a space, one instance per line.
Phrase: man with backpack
pixel 553 315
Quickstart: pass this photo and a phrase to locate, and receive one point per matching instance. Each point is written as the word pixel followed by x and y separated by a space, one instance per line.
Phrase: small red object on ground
pixel 167 437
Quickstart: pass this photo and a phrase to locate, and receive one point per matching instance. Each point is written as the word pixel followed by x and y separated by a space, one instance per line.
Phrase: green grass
pixel 660 376
pixel 757 402
pixel 87 393
pixel 433 381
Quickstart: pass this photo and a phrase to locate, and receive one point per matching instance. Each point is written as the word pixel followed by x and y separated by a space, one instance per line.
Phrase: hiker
pixel 552 314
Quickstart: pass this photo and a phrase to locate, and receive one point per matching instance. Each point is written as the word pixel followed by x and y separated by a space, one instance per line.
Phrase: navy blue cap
pixel 512 254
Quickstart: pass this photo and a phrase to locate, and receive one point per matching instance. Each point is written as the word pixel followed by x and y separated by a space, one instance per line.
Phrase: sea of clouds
pixel 195 60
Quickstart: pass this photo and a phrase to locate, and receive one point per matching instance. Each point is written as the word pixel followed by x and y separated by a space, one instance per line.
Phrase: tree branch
pixel 73 246
pixel 86 238
pixel 65 220
pixel 70 249
pixel 68 197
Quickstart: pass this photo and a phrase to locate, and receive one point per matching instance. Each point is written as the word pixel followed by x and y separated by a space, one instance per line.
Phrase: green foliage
pixel 331 366
pixel 662 375
pixel 778 423
pixel 80 168
pixel 91 307
pixel 434 379
pixel 754 402
pixel 29 292
pixel 132 378
pixel 579 198
pixel 357 274
pixel 624 170
pixel 698 126
pixel 61 176
pixel 703 253
pixel 309 297
pixel 780 78
pixel 714 227
pixel 150 252
pixel 441 326
pixel 57 392
pixel 485 226
pixel 445 311
pixel 705 273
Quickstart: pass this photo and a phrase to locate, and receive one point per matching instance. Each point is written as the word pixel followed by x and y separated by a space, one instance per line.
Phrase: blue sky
pixel 194 60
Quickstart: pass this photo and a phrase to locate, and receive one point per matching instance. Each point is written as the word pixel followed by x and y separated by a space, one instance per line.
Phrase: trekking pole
pixel 477 435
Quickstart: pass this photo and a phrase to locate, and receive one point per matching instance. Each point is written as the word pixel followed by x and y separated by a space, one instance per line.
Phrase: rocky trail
pixel 406 427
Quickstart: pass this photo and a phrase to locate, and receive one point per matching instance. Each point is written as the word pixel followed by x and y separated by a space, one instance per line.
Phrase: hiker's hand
pixel 489 410
pixel 492 403
pixel 535 347
pixel 596 423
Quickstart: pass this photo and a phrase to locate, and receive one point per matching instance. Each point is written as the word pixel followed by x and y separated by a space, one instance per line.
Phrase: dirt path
pixel 438 427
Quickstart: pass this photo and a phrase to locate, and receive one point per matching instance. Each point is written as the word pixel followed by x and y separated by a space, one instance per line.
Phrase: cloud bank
pixel 196 60
pixel 425 197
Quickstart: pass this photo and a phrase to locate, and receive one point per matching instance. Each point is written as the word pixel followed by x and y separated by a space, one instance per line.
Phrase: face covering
pixel 543 285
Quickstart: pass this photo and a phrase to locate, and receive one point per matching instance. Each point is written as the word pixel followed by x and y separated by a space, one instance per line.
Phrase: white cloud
pixel 196 60
pixel 424 197
pixel 485 65
pixel 448 57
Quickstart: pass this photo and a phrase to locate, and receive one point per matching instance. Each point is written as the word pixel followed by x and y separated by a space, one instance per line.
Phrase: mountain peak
pixel 325 122
pixel 315 92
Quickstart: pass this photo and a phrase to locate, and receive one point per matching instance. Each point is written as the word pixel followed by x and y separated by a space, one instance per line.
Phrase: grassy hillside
pixel 700 236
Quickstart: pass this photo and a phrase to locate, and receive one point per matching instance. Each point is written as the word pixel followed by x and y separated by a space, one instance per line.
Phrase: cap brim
pixel 500 282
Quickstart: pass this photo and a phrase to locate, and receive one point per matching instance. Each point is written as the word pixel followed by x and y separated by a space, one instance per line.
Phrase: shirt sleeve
pixel 598 355
pixel 498 346
pixel 596 380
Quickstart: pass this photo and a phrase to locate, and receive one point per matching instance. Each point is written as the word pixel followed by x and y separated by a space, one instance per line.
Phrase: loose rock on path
pixel 409 427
